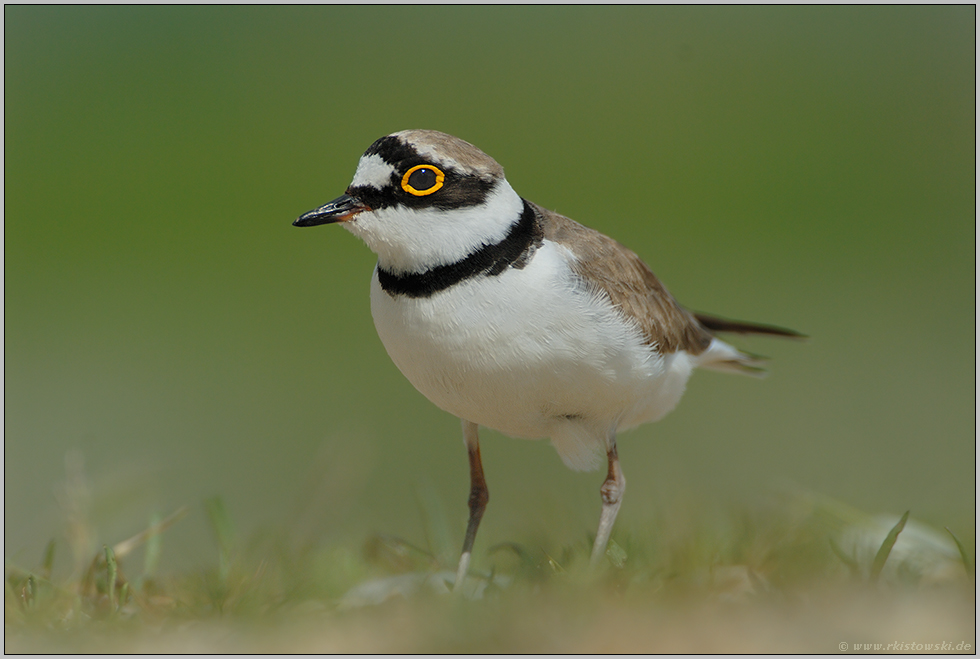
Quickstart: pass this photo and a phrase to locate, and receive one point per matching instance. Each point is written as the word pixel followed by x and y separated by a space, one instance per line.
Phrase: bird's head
pixel 421 198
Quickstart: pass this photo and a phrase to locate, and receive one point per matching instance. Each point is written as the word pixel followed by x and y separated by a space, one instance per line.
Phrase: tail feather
pixel 715 324
pixel 743 364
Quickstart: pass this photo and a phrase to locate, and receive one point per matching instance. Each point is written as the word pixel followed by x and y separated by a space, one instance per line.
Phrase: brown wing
pixel 629 283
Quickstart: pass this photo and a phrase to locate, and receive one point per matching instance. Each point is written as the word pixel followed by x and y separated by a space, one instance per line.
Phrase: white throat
pixel 409 240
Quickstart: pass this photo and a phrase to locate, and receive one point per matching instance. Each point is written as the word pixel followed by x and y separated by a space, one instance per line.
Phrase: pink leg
pixel 479 495
pixel 612 495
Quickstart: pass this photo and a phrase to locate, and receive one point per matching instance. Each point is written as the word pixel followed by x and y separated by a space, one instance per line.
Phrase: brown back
pixel 631 286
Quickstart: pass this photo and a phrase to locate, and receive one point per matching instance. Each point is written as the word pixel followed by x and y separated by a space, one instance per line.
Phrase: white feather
pixel 372 171
pixel 533 354
pixel 415 240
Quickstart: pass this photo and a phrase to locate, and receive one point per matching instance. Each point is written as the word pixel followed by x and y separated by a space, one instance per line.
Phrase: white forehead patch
pixel 372 170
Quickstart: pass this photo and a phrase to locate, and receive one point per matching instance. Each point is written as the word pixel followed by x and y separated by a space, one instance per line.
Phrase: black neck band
pixel 514 250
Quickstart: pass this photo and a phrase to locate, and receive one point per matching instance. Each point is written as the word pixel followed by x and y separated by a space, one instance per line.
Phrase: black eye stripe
pixel 458 190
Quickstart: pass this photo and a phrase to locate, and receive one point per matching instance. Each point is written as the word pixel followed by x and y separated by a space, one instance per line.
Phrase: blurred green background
pixel 170 336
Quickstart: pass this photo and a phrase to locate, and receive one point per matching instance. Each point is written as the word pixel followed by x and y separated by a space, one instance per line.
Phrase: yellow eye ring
pixel 424 178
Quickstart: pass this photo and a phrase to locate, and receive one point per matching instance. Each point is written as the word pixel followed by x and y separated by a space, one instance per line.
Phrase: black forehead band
pixel 395 152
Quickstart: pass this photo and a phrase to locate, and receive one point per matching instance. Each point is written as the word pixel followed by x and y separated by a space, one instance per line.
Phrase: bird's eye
pixel 422 180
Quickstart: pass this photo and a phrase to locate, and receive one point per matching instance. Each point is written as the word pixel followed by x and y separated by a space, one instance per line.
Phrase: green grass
pixel 799 574
pixel 886 547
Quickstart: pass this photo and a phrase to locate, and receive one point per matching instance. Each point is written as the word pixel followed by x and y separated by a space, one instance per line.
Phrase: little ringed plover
pixel 510 316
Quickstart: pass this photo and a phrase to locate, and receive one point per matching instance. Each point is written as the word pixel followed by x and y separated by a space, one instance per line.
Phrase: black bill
pixel 340 209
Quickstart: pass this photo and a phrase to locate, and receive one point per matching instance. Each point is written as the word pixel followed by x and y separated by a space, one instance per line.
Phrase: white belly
pixel 532 354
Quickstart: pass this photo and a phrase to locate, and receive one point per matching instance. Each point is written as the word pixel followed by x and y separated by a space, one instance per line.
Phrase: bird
pixel 515 318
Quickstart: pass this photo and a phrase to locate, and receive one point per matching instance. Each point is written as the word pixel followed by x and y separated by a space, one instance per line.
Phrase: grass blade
pixel 30 591
pixel 48 564
pixel 122 549
pixel 151 554
pixel 111 574
pixel 224 533
pixel 967 563
pixel 616 554
pixel 435 524
pixel 886 547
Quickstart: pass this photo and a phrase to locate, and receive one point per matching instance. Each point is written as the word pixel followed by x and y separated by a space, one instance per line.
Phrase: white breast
pixel 533 354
